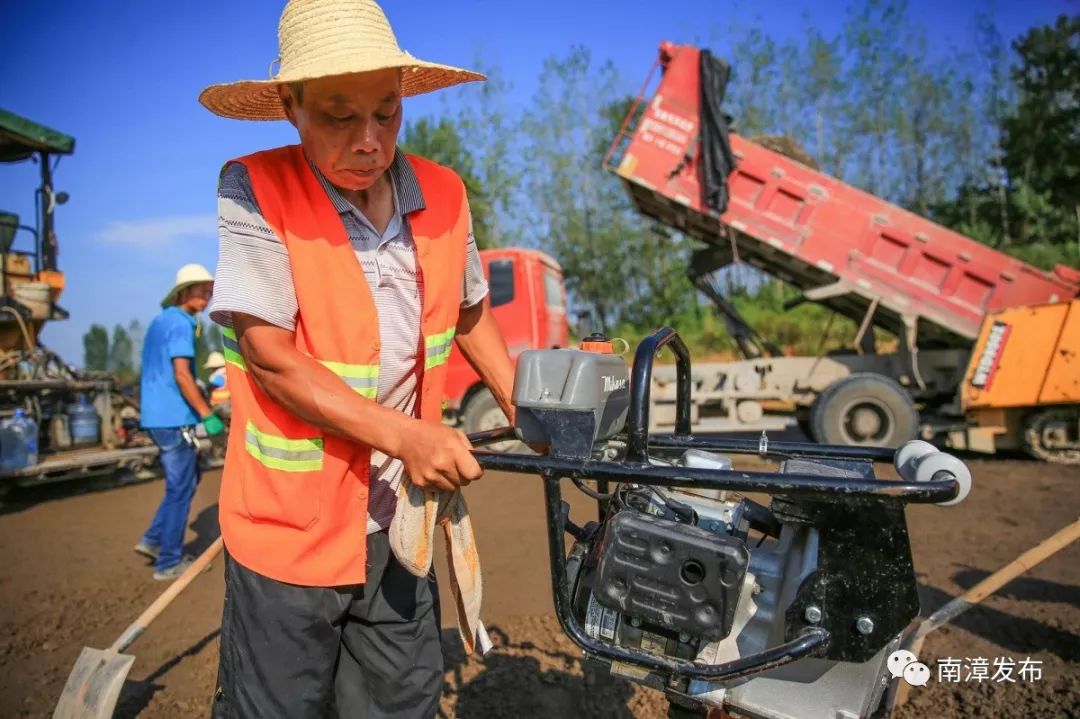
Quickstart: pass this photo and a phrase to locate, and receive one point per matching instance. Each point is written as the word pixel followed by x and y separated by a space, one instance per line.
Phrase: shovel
pixel 899 690
pixel 94 685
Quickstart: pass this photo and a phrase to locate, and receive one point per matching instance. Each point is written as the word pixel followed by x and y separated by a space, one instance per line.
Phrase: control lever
pixel 582 534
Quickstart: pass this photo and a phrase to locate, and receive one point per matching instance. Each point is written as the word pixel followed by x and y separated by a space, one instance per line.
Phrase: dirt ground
pixel 69 579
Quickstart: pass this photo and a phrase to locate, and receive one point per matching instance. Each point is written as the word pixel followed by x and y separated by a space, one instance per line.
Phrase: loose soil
pixel 69 579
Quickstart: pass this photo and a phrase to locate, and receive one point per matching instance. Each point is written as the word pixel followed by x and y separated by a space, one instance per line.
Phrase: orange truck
pixel 528 300
pixel 1022 387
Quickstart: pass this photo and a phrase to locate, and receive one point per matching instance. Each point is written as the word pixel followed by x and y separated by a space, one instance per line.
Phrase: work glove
pixel 213 425
pixel 412 540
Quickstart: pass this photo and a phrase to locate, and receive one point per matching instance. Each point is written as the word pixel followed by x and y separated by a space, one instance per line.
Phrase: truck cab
pixel 528 300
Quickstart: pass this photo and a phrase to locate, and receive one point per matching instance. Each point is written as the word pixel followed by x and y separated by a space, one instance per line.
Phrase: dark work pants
pixel 369 650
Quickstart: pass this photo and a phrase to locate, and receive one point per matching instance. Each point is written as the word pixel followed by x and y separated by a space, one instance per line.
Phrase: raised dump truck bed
pixel 865 258
pixel 842 247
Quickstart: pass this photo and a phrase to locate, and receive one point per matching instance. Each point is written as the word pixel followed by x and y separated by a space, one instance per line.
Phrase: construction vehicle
pixel 528 301
pixel 858 255
pixel 73 441
pixel 1022 386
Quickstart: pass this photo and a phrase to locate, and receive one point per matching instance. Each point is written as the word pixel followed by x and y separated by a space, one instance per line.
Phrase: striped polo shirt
pixel 254 277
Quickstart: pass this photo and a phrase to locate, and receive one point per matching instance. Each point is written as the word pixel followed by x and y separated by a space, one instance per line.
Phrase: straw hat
pixel 186 276
pixel 321 38
pixel 214 360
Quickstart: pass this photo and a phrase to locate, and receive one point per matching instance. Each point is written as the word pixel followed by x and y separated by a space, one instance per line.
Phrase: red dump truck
pixel 855 253
pixel 528 300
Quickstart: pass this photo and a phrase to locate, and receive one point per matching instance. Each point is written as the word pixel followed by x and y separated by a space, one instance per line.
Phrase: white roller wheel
pixel 908 455
pixel 931 464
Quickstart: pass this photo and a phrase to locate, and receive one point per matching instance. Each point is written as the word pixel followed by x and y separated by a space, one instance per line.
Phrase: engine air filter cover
pixel 671 574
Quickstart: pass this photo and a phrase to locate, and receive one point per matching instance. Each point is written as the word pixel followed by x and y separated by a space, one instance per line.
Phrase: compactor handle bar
pixel 639 470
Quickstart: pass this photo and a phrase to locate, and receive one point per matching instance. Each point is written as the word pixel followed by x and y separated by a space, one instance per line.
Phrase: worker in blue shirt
pixel 171 404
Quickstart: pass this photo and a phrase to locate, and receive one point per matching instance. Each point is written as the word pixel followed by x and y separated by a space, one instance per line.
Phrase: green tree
pixel 823 85
pixel 570 215
pixel 874 39
pixel 442 142
pixel 875 104
pixel 998 97
pixel 96 349
pixel 657 291
pixel 755 75
pixel 1042 137
pixel 121 360
pixel 492 136
pixel 137 334
pixel 616 269
pixel 1026 200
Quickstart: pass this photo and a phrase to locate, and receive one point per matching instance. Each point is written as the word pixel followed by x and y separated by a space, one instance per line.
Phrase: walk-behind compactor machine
pixel 776 594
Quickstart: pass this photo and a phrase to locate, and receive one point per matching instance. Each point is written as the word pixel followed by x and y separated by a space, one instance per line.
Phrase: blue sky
pixel 123 77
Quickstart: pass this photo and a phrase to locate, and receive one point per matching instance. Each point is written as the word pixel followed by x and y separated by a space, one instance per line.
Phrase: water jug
pixel 18 441
pixel 83 422
pixel 12 451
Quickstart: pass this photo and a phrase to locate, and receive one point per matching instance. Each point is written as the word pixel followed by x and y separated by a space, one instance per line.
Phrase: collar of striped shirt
pixel 407 195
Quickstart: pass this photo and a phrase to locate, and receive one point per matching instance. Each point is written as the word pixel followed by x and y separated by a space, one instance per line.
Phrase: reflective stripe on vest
pixel 230 347
pixel 363 378
pixel 287 455
pixel 437 348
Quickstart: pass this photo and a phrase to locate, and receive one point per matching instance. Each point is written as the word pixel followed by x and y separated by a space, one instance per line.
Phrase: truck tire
pixel 483 412
pixel 1055 423
pixel 864 409
pixel 802 420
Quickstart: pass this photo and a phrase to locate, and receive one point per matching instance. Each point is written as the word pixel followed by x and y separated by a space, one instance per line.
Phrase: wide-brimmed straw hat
pixel 322 38
pixel 186 276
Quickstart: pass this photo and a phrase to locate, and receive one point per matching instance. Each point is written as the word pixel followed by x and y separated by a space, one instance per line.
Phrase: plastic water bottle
pixel 30 436
pixel 84 422
pixel 18 442
pixel 11 455
pixel 28 431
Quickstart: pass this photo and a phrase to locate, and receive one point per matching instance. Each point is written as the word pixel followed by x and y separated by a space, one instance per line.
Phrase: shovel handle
pixel 136 628
pixel 1045 549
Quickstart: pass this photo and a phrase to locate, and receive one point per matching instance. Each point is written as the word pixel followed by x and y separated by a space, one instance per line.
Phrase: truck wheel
pixel 1052 436
pixel 802 419
pixel 482 412
pixel 864 409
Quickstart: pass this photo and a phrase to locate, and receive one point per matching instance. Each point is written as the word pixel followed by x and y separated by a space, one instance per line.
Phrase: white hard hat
pixel 186 276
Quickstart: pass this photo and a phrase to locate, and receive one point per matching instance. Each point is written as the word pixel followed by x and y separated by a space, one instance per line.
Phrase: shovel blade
pixel 94 685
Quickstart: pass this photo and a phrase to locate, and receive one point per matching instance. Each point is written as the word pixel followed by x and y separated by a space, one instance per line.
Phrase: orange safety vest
pixel 293 501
